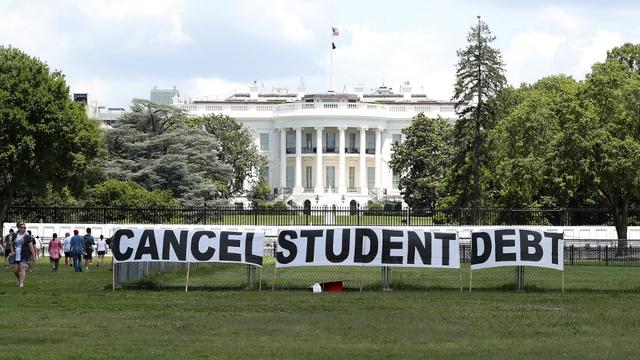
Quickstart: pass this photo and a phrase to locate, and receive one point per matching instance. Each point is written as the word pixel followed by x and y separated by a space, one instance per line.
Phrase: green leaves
pixel 47 142
pixel 423 160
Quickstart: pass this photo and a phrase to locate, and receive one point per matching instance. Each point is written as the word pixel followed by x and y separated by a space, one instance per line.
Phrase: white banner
pixel 187 245
pixel 516 247
pixel 367 247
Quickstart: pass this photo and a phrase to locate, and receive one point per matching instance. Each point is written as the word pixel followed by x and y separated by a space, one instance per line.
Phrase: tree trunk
pixel 5 201
pixel 621 220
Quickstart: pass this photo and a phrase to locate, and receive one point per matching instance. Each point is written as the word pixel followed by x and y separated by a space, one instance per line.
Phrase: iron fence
pixel 335 215
pixel 596 265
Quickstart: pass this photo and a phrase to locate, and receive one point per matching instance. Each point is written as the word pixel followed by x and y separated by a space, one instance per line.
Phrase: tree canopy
pixel 479 77
pixel 47 142
pixel 423 160
pixel 157 148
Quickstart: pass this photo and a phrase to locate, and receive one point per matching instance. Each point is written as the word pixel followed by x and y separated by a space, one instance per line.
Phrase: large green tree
pixel 47 142
pixel 237 148
pixel 479 76
pixel 156 147
pixel 423 160
pixel 612 127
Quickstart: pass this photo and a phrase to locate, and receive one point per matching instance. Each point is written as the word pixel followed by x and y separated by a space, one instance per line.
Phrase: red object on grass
pixel 332 286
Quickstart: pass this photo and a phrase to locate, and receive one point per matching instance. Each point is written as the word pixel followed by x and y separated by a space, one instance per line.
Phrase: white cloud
pixel 594 49
pixel 562 19
pixel 213 88
pixel 373 57
pixel 531 55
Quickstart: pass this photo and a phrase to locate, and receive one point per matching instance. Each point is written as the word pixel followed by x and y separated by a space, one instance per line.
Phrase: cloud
pixel 531 55
pixel 563 20
pixel 594 49
pixel 213 88
pixel 372 57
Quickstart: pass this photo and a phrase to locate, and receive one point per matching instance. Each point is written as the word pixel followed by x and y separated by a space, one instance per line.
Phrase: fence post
pixel 255 215
pixel 520 277
pixel 385 278
pixel 606 255
pixel 408 216
pixel 571 255
pixel 251 276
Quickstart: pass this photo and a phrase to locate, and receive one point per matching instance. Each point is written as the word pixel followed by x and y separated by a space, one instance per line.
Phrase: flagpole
pixel 334 33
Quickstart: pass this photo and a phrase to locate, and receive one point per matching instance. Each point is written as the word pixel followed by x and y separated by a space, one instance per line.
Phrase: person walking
pixel 66 247
pixel 55 245
pixel 7 247
pixel 102 249
pixel 76 249
pixel 22 249
pixel 89 242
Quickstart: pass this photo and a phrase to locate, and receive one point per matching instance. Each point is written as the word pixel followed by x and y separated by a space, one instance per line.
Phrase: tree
pixel 612 135
pixel 260 193
pixel 128 194
pixel 526 144
pixel 237 148
pixel 422 160
pixel 479 76
pixel 157 148
pixel 47 142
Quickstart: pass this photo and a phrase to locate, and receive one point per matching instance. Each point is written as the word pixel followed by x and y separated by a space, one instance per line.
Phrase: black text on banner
pixel 182 245
pixel 367 247
pixel 516 247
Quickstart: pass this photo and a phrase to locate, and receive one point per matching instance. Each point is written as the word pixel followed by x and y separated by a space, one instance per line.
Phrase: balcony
pixel 308 150
pixel 352 150
pixel 291 150
pixel 330 150
pixel 370 151
pixel 353 190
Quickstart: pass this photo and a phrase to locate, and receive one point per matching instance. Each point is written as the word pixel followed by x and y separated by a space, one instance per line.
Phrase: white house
pixel 326 148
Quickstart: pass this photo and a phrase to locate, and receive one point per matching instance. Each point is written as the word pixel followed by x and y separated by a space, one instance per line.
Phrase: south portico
pixel 330 165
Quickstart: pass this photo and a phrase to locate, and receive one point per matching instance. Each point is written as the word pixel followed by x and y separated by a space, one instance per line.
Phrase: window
pixel 371 141
pixel 371 177
pixel 396 138
pixel 264 142
pixel 331 177
pixel 352 141
pixel 308 177
pixel 264 174
pixel 308 140
pixel 330 140
pixel 352 177
pixel 291 141
pixel 290 178
pixel 395 181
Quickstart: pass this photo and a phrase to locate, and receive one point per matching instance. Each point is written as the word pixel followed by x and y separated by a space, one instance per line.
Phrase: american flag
pixel 335 31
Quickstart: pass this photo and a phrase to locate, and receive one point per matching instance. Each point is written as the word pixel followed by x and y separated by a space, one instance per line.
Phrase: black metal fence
pixel 348 216
pixel 588 265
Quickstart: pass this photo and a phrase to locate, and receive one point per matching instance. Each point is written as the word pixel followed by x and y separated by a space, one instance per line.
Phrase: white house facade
pixel 326 148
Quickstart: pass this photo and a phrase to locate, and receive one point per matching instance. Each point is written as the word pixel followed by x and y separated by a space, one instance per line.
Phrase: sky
pixel 120 49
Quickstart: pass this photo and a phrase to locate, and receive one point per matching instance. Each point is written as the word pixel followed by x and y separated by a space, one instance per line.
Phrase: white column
pixel 363 161
pixel 319 188
pixel 298 172
pixel 283 158
pixel 378 159
pixel 342 189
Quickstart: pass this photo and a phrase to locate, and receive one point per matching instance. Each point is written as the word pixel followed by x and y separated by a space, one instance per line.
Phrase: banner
pixel 367 247
pixel 515 247
pixel 187 245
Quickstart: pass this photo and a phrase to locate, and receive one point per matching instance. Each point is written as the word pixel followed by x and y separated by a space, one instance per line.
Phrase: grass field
pixel 68 315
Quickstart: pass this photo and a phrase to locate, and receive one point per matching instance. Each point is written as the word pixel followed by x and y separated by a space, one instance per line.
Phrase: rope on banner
pixel 186 285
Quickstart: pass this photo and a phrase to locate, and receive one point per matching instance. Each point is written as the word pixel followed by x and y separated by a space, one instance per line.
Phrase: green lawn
pixel 68 315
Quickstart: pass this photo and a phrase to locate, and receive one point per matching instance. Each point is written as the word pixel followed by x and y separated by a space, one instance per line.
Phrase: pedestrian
pixel 89 242
pixel 38 243
pixel 22 248
pixel 67 249
pixel 7 247
pixel 33 257
pixel 55 245
pixel 76 249
pixel 102 249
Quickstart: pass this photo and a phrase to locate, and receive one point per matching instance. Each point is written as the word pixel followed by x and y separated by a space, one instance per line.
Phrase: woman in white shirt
pixel 102 249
